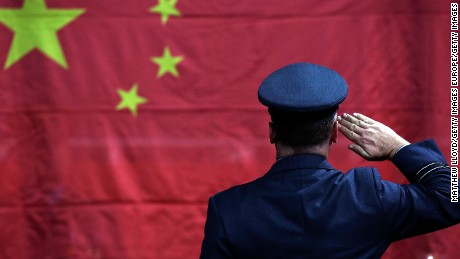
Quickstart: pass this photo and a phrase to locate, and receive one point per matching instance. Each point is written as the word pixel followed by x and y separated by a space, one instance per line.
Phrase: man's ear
pixel 271 133
pixel 335 132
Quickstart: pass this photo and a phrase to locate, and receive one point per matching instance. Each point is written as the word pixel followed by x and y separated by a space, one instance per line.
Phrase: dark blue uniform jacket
pixel 304 208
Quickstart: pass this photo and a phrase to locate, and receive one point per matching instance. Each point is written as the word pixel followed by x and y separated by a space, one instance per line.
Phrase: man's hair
pixel 298 129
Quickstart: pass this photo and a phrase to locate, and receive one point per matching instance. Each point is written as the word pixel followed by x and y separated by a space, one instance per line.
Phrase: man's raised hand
pixel 371 139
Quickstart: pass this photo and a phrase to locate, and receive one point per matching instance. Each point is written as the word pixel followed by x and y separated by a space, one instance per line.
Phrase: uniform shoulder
pixel 362 174
pixel 237 190
pixel 361 171
pixel 364 179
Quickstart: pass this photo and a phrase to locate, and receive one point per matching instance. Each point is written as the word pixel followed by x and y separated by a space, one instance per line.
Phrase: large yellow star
pixel 130 99
pixel 35 27
pixel 166 8
pixel 167 63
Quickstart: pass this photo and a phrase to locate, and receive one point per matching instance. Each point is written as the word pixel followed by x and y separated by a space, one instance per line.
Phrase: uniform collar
pixel 307 161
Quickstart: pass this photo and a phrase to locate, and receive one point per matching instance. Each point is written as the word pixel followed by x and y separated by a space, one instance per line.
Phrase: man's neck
pixel 285 151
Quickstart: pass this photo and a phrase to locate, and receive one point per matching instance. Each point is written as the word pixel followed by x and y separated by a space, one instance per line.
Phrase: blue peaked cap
pixel 303 87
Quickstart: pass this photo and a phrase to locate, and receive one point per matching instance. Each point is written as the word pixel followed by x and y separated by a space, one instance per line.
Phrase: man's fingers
pixel 363 118
pixel 355 120
pixel 355 128
pixel 351 135
pixel 360 151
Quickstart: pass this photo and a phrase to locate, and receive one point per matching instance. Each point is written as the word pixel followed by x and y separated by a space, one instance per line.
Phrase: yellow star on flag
pixel 165 8
pixel 35 27
pixel 130 99
pixel 167 63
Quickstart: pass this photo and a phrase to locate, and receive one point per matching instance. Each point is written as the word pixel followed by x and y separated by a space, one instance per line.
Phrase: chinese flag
pixel 118 119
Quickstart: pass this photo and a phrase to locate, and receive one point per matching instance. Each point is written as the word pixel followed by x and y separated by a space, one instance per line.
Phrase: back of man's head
pixel 299 130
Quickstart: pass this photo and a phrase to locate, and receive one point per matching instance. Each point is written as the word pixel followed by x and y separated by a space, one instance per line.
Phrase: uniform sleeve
pixel 423 205
pixel 215 245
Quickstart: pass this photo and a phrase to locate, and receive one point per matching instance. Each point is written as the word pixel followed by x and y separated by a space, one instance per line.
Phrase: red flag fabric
pixel 119 119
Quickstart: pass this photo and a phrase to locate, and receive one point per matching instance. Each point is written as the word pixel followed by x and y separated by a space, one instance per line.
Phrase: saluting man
pixel 303 207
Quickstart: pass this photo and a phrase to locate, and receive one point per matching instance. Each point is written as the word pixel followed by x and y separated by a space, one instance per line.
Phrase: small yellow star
pixel 130 99
pixel 166 8
pixel 167 63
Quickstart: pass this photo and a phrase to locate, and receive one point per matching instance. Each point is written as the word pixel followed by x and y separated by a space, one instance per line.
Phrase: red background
pixel 82 180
